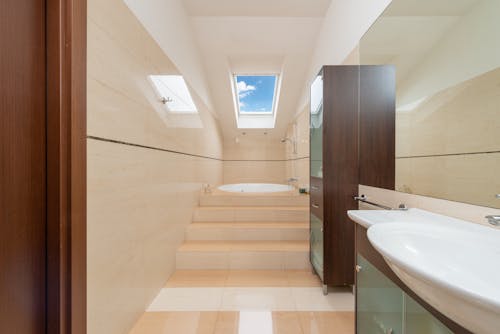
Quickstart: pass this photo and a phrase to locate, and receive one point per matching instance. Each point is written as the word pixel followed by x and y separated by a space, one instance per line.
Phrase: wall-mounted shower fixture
pixel 292 141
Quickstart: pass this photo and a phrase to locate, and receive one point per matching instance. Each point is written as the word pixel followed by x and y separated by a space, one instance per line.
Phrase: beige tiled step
pixel 253 200
pixel 243 255
pixel 243 278
pixel 248 231
pixel 251 214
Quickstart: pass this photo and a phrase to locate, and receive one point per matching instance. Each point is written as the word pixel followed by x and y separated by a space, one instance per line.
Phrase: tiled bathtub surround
pixel 254 157
pixel 140 199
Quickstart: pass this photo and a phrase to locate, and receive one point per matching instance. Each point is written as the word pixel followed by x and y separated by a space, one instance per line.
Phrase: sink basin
pixel 454 267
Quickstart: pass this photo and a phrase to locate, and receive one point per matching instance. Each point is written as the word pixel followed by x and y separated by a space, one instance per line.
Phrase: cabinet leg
pixel 325 289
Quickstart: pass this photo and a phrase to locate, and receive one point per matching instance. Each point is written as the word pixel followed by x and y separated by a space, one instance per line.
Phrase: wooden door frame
pixel 66 32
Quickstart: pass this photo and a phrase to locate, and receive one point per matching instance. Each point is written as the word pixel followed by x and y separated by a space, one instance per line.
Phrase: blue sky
pixel 255 92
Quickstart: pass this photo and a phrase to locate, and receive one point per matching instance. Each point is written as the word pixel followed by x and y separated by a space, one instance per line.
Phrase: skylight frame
pixel 175 95
pixel 259 114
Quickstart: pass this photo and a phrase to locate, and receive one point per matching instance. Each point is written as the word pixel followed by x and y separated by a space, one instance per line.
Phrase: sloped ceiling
pixel 256 37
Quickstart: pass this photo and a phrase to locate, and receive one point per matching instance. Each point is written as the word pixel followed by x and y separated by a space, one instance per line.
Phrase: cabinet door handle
pixel 358 268
pixel 314 188
pixel 316 206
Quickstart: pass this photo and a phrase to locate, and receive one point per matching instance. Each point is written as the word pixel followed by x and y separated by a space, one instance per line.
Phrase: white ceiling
pixel 275 8
pixel 255 37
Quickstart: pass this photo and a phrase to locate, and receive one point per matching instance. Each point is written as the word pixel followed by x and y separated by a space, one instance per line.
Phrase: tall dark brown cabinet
pixel 335 134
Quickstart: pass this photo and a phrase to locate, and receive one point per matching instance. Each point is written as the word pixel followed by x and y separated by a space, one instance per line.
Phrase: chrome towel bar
pixel 364 199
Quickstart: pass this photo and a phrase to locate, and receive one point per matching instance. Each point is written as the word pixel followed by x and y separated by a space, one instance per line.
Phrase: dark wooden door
pixel 22 166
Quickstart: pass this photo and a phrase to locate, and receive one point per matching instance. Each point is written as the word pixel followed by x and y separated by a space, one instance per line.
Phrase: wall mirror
pixel 447 59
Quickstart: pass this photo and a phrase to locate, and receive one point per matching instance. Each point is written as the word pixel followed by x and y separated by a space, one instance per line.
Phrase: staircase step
pixel 243 255
pixel 248 231
pixel 251 214
pixel 218 199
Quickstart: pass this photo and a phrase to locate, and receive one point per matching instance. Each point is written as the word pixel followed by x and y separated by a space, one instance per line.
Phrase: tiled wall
pixel 468 212
pixel 441 155
pixel 145 169
pixel 254 157
pixel 297 165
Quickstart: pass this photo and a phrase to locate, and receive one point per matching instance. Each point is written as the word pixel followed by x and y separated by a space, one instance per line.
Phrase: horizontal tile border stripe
pixel 120 142
pixel 279 160
pixel 114 141
pixel 446 155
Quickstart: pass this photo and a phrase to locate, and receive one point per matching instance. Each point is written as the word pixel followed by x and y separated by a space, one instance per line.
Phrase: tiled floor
pixel 247 302
pixel 245 322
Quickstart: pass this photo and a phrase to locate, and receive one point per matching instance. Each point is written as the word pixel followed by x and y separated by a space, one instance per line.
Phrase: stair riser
pixel 250 215
pixel 243 260
pixel 214 200
pixel 247 234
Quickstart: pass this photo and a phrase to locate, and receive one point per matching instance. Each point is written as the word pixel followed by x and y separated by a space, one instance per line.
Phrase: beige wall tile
pixel 138 207
pixel 471 178
pixel 463 118
pixel 254 172
pixel 139 200
pixel 468 212
pixel 254 158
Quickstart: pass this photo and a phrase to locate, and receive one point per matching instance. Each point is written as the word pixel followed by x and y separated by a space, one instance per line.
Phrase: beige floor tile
pixel 286 323
pixel 198 278
pixel 227 323
pixel 176 323
pixel 302 278
pixel 327 322
pixel 257 278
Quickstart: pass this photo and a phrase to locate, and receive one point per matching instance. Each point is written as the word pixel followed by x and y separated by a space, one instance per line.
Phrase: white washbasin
pixel 454 266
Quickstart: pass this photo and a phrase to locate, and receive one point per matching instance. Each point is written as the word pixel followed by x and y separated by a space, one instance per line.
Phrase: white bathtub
pixel 255 188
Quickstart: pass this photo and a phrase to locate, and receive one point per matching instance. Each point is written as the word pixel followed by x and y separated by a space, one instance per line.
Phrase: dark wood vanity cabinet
pixel 341 133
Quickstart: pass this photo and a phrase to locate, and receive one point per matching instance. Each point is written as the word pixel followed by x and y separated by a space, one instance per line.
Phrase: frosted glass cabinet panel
pixel 418 320
pixel 379 301
pixel 317 245
pixel 383 307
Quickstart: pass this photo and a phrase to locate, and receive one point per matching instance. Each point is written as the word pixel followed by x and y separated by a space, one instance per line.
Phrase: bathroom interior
pixel 255 167
pixel 227 143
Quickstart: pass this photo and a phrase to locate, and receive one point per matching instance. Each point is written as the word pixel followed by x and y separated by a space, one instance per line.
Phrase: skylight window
pixel 256 94
pixel 317 95
pixel 174 93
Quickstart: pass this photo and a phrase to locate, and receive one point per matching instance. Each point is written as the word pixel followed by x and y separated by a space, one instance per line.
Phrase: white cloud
pixel 244 90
